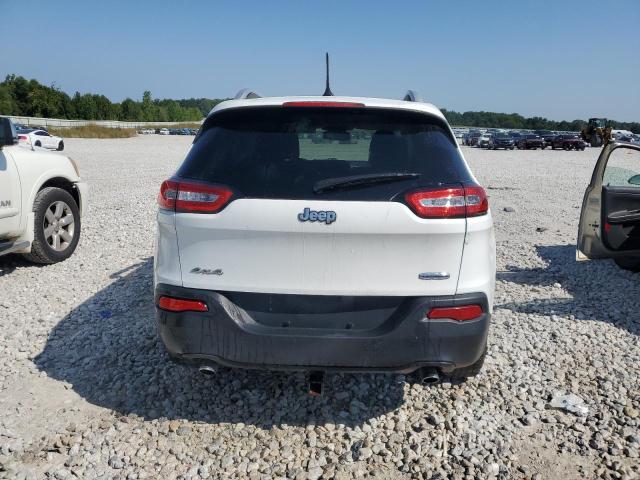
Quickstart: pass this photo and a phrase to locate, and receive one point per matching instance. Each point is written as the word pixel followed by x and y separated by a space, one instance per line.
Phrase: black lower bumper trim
pixel 402 342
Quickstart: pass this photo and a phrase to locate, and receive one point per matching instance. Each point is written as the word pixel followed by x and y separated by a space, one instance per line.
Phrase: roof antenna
pixel 327 90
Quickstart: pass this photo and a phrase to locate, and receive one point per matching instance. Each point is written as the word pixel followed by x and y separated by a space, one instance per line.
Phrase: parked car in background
pixel 501 140
pixel 483 140
pixel 279 267
pixel 530 141
pixel 40 138
pixel 471 138
pixel 163 131
pixel 515 136
pixel 546 135
pixel 568 142
pixel 41 200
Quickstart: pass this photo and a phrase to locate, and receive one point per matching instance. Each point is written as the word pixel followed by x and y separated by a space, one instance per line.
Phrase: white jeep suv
pixel 325 233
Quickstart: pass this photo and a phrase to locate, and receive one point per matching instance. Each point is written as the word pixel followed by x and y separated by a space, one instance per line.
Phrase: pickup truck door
pixel 10 198
pixel 610 217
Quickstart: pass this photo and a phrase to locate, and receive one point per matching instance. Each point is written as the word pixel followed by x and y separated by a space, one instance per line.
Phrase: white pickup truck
pixel 41 200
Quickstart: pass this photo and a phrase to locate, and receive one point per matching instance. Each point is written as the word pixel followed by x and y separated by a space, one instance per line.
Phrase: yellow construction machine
pixel 597 132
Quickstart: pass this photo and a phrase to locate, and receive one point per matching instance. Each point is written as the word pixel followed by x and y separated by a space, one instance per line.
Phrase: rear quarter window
pixel 281 152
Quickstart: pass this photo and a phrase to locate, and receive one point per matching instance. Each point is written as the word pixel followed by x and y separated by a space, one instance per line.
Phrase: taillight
pixel 476 201
pixel 461 313
pixel 168 194
pixel 181 305
pixel 187 197
pixel 22 137
pixel 323 104
pixel 450 202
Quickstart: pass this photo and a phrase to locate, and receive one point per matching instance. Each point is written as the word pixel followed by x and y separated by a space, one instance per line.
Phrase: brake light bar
pixel 171 304
pixel 449 202
pixel 190 197
pixel 461 313
pixel 323 104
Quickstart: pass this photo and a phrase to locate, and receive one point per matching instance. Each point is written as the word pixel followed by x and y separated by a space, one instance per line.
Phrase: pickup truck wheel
pixel 470 371
pixel 61 146
pixel 56 226
pixel 631 264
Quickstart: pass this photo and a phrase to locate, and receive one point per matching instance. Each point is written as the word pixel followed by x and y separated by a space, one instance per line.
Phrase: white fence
pixel 63 123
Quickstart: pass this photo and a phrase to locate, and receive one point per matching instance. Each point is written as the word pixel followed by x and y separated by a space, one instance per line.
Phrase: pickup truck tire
pixel 470 371
pixel 631 264
pixel 60 146
pixel 56 226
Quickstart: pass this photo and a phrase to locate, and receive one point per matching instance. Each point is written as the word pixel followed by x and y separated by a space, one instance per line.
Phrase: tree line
pixel 516 121
pixel 29 98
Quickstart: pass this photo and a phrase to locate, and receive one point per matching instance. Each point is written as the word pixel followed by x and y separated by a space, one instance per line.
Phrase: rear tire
pixel 56 226
pixel 61 146
pixel 630 264
pixel 38 144
pixel 470 371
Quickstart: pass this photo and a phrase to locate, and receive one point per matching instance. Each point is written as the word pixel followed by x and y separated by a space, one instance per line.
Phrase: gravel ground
pixel 86 390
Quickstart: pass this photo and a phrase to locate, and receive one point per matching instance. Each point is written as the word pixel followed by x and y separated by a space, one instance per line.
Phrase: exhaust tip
pixel 208 370
pixel 429 376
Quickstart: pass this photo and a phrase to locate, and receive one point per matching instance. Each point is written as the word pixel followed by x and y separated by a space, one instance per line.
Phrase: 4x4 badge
pixel 326 216
pixel 206 271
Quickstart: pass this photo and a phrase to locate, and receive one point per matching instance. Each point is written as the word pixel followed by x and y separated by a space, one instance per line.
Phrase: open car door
pixel 610 216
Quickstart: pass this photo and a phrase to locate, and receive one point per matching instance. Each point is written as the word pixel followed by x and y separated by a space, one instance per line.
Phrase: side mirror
pixel 635 180
pixel 8 134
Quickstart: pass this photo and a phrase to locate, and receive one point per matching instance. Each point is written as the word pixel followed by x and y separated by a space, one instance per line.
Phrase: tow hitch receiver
pixel 316 381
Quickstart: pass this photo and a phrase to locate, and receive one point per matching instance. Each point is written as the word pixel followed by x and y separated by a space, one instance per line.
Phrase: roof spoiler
pixel 246 93
pixel 412 96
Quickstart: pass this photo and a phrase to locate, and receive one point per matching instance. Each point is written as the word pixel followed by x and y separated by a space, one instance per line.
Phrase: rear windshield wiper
pixel 357 180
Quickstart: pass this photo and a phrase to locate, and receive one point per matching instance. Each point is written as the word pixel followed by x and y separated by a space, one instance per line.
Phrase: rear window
pixel 282 152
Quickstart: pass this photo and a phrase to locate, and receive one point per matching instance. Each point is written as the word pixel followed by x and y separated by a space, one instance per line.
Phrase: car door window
pixel 623 169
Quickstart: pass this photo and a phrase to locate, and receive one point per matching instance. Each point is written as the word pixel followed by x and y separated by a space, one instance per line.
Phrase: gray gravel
pixel 86 390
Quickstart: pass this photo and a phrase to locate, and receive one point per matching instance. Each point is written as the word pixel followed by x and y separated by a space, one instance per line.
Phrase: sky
pixel 557 59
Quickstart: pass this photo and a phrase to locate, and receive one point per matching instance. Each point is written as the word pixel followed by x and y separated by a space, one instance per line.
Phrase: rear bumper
pixel 397 339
